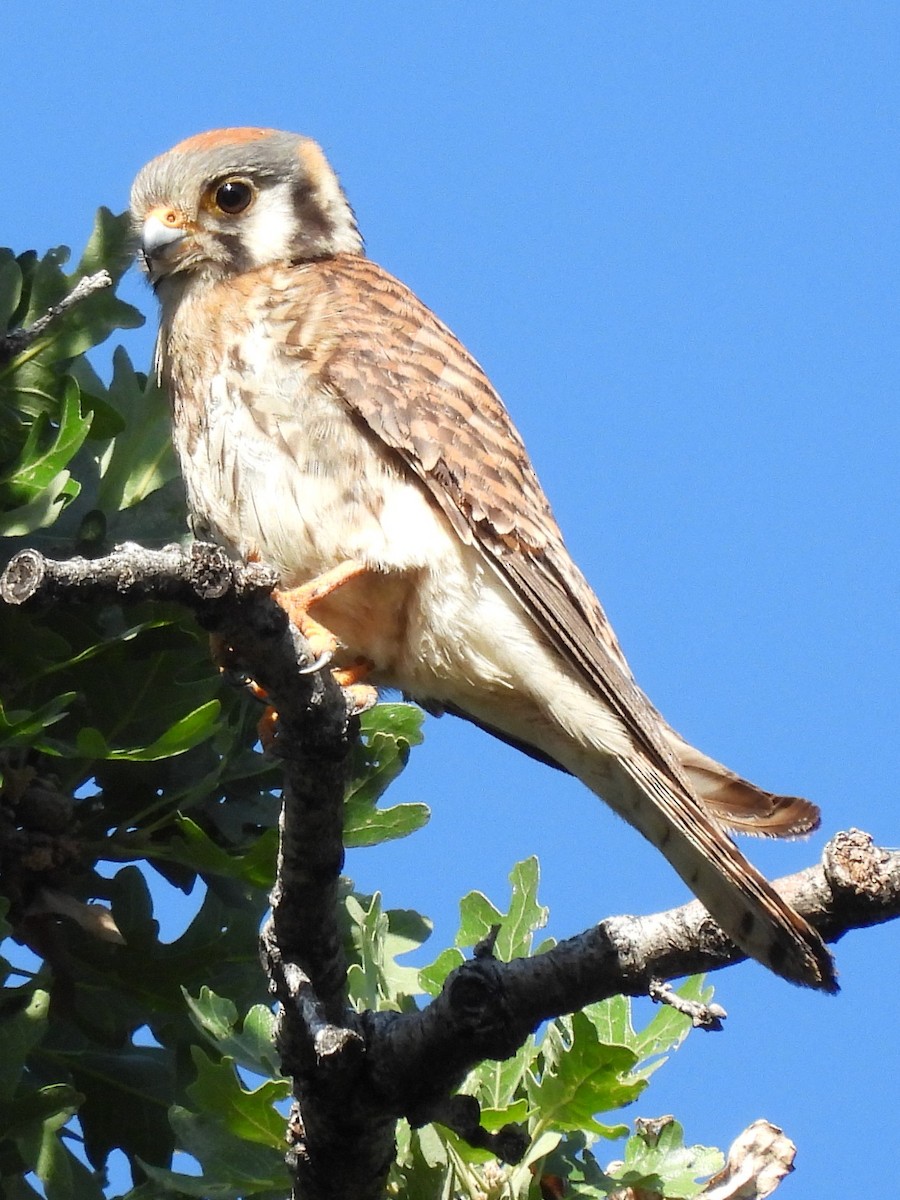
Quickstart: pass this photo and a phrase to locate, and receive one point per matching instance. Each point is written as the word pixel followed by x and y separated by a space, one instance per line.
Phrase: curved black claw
pixel 322 661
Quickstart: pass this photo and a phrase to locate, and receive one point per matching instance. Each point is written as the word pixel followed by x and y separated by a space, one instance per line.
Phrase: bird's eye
pixel 233 196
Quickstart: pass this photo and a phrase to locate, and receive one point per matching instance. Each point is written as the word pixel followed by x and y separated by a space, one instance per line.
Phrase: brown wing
pixel 420 392
pixel 417 390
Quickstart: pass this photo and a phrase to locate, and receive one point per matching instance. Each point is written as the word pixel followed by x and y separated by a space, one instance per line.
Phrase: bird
pixel 330 425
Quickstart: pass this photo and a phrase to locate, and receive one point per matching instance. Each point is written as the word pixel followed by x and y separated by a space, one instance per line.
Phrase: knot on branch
pixel 862 881
pixel 211 571
pixel 853 863
pixel 479 1002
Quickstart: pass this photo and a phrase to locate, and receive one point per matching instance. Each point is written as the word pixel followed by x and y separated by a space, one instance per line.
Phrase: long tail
pixel 739 804
pixel 741 900
pixel 680 806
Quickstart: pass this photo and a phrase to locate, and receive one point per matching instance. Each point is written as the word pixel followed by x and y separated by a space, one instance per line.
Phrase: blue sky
pixel 670 233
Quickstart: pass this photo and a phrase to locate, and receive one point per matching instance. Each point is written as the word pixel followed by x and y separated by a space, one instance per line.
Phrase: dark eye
pixel 233 196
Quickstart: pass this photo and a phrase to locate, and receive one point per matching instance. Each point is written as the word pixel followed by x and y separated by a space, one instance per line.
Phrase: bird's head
pixel 228 201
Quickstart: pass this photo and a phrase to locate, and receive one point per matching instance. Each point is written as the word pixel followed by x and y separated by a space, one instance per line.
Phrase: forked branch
pixel 355 1074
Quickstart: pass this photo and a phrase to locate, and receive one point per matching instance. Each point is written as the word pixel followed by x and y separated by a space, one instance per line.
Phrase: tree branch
pixel 17 340
pixel 355 1075
pixel 301 944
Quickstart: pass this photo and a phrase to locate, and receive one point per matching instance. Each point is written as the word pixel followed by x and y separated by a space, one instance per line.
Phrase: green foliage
pixel 124 762
pixel 382 753
pixel 583 1067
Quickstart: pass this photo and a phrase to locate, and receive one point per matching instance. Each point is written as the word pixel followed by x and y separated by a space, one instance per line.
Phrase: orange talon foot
pixel 322 642
pixel 360 697
pixel 297 602
pixel 257 692
pixel 267 728
pixel 355 673
pixel 222 653
pixel 226 660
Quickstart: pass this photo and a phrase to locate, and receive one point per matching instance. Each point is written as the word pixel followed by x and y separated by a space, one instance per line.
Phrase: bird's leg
pixel 362 695
pixel 223 655
pixel 297 602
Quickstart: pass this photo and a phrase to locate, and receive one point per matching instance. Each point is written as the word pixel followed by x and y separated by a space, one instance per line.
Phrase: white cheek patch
pixel 269 230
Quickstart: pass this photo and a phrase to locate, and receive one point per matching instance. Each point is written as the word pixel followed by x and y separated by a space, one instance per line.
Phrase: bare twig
pixel 17 340
pixel 703 1016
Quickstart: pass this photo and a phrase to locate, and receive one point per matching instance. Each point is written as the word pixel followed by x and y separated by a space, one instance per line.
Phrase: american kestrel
pixel 331 426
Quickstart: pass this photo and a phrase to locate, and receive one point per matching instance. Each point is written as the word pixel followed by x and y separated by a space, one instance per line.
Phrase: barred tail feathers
pixel 740 899
pixel 739 804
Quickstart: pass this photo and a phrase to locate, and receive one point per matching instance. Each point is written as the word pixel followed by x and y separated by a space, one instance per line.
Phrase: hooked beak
pixel 162 231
